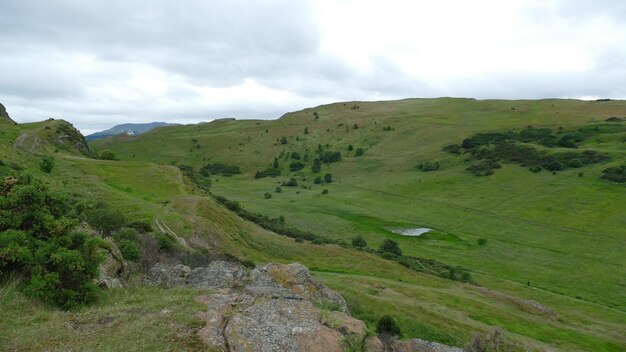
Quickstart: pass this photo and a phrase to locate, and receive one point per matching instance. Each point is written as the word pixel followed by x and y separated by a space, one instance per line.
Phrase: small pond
pixel 415 232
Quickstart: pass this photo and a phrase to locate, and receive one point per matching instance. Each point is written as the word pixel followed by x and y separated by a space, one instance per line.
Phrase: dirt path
pixel 167 230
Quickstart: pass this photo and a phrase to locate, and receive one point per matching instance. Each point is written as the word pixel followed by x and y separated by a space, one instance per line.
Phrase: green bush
pixel 390 246
pixel 482 241
pixel 575 163
pixel 325 191
pixel 554 166
pixel 291 183
pixel 278 190
pixel 317 180
pixel 296 166
pixel 428 166
pixel 614 174
pixel 534 168
pixel 387 326
pixel 164 241
pixel 38 243
pixel 317 165
pixel 267 195
pixel 359 242
pixel 283 140
pixel 129 249
pixel 328 178
pixel 106 155
pixel 105 220
pixel 359 152
pixel 141 226
pixel 46 164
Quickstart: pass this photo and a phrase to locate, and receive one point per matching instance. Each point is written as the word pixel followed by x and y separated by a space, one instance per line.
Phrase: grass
pixel 556 239
pixel 132 319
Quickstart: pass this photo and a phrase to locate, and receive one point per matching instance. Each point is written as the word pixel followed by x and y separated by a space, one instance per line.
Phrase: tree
pixel 38 243
pixel 267 195
pixel 317 165
pixel 317 180
pixel 328 178
pixel 359 242
pixel 390 246
pixel 296 166
pixel 359 152
pixel 275 164
pixel 283 140
pixel 46 164
pixel 350 147
pixel 306 130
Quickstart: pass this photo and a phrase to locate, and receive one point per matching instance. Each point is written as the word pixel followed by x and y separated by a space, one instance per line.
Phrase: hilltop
pixel 4 115
pixel 538 254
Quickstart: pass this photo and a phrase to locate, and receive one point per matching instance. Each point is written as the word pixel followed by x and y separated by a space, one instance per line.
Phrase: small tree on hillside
pixel 359 242
pixel 390 246
pixel 328 178
pixel 306 130
pixel 317 165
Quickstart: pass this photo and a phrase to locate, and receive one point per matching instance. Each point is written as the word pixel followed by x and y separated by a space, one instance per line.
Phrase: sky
pixel 101 63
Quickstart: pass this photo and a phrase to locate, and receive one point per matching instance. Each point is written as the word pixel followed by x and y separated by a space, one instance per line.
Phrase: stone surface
pixel 348 325
pixel 373 344
pixel 165 275
pixel 113 271
pixel 218 274
pixel 297 277
pixel 281 325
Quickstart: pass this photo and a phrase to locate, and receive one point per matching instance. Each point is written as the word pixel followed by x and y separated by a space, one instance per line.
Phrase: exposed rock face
pixel 271 308
pixel 5 115
pixel 113 270
pixel 419 345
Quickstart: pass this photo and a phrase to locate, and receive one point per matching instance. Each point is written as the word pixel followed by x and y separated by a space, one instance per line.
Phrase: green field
pixel 552 272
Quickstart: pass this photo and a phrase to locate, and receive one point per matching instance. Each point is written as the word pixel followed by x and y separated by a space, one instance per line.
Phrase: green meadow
pixel 545 250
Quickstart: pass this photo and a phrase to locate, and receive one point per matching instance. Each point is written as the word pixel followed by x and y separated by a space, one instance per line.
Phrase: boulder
pixel 218 274
pixel 167 275
pixel 373 344
pixel 113 271
pixel 298 279
pixel 281 325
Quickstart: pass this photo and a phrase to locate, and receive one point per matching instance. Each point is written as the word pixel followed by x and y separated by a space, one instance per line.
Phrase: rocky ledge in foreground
pixel 275 308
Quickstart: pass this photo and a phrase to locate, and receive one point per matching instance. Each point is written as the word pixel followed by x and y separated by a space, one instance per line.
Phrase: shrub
pixel 328 157
pixel 325 191
pixel 296 155
pixel 164 241
pixel 328 178
pixel 38 243
pixel 482 241
pixel 350 147
pixel 278 189
pixel 129 250
pixel 359 152
pixel 267 195
pixel 554 166
pixel 359 242
pixel 317 180
pixel 390 246
pixel 291 183
pixel 283 140
pixel 453 149
pixel 107 155
pixel 614 174
pixel 306 130
pixel 317 165
pixel 534 168
pixel 428 166
pixel 575 163
pixel 483 168
pixel 141 226
pixel 387 326
pixel 105 220
pixel 296 166
pixel 220 168
pixel 46 164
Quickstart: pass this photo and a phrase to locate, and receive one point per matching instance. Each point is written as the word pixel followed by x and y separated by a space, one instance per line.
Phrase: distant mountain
pixel 4 115
pixel 127 128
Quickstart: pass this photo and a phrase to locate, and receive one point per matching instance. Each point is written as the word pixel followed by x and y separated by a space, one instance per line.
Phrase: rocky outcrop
pixel 4 115
pixel 113 271
pixel 273 308
pixel 419 345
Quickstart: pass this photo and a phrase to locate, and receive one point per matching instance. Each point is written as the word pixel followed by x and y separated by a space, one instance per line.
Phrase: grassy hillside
pixel 557 239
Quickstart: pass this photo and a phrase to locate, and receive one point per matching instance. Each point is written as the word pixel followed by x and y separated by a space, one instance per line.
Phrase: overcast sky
pixel 101 63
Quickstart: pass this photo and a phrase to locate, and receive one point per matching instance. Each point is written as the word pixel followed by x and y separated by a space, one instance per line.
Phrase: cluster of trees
pixel 220 168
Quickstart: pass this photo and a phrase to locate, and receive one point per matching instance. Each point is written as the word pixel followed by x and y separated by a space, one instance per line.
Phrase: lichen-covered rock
pixel 281 325
pixel 373 344
pixel 297 277
pixel 348 325
pixel 113 271
pixel 218 274
pixel 166 275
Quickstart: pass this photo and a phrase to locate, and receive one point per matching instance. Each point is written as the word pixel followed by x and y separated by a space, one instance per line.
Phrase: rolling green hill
pixel 557 237
pixel 549 270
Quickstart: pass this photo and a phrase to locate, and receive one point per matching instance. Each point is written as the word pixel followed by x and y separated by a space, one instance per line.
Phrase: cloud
pixel 99 63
